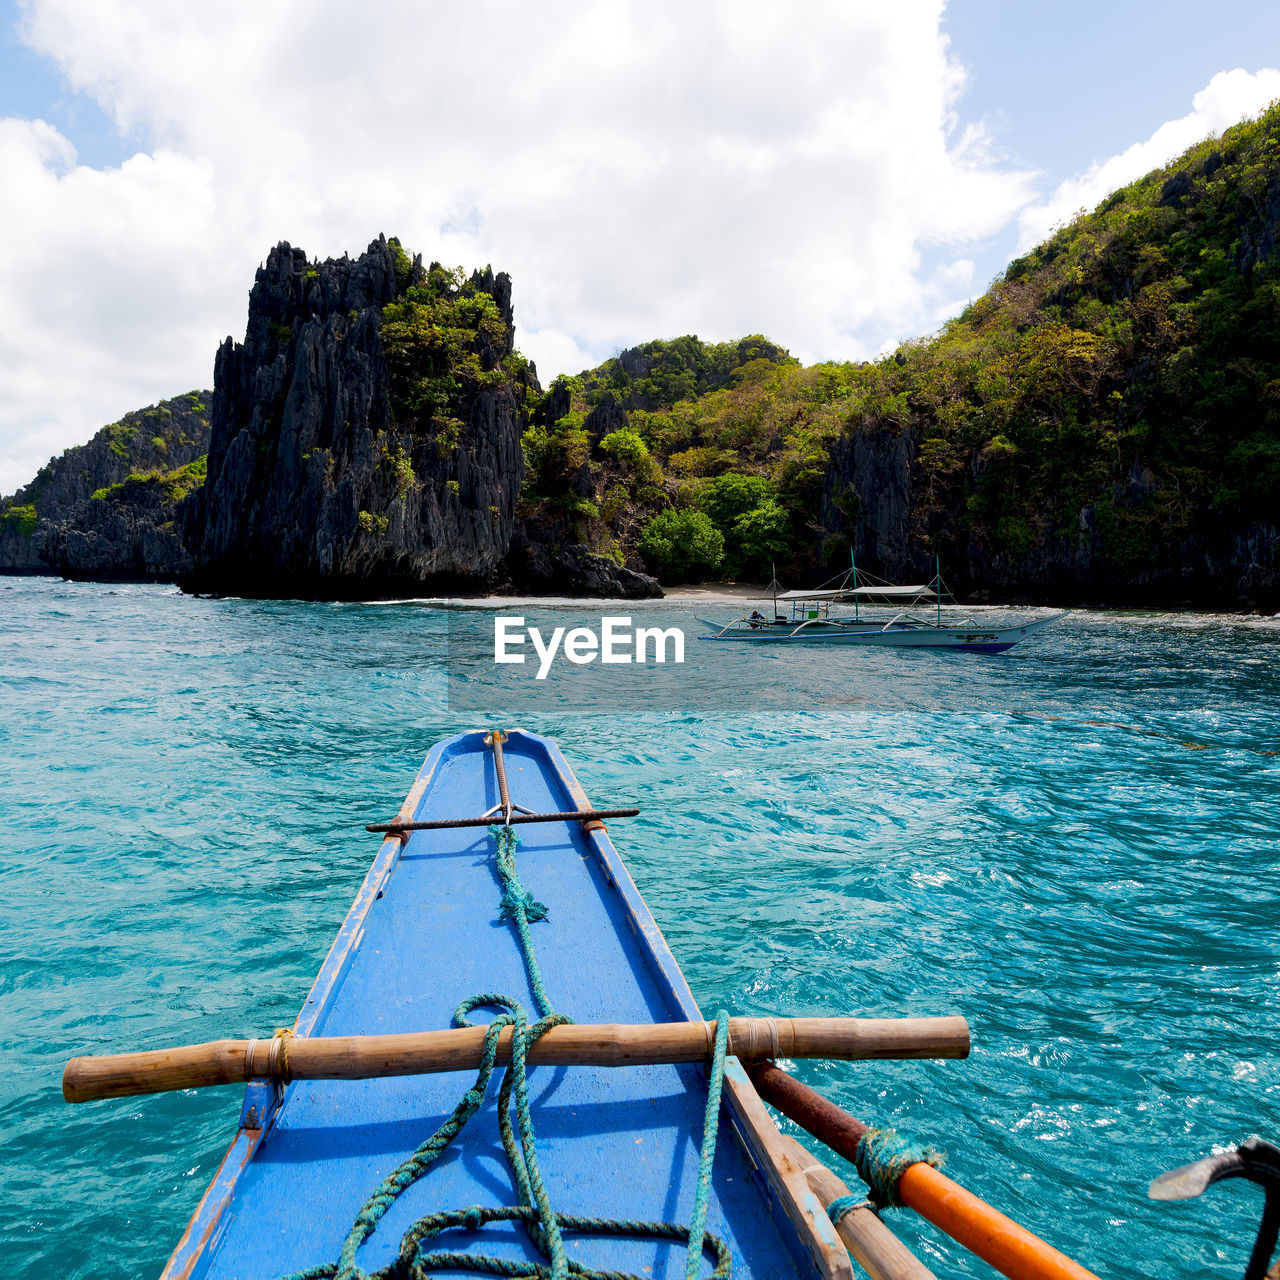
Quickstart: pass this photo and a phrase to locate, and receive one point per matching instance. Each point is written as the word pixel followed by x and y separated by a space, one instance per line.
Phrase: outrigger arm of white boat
pixel 814 622
pixel 734 623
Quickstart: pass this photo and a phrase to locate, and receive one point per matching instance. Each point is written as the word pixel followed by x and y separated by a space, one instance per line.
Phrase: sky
pixel 839 176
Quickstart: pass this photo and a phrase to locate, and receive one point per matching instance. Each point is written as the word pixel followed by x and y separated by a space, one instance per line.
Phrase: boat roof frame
pixel 850 593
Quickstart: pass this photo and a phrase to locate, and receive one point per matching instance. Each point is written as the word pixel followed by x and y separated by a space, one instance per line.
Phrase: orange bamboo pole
pixel 1013 1250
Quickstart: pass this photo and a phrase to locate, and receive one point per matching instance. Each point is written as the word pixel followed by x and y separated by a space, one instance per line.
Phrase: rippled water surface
pixel 1073 844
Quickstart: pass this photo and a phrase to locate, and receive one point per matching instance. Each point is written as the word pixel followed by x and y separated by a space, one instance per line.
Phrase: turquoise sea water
pixel 1073 844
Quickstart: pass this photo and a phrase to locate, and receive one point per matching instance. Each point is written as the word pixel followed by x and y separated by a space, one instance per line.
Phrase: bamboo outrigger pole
pixel 283 1057
pixel 1012 1250
pixel 870 1242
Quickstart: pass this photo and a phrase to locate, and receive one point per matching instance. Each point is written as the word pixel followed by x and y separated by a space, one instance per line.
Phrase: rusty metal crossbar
pixel 504 811
pixel 570 815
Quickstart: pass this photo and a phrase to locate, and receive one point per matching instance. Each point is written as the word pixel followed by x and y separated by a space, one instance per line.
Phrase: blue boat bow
pixel 425 932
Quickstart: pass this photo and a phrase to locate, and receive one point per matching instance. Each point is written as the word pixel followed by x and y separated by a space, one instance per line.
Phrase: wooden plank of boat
pixel 422 935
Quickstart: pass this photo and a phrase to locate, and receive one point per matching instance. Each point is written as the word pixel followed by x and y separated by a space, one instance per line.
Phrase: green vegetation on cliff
pixel 681 426
pixel 658 374
pixel 1129 367
pixel 168 486
pixel 21 519
pixel 444 335
pixel 1115 394
pixel 161 445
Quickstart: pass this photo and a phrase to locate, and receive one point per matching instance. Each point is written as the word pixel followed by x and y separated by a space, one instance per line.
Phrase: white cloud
pixel 100 308
pixel 642 170
pixel 1231 96
pixel 558 352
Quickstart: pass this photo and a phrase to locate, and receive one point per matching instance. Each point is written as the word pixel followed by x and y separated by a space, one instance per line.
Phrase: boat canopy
pixel 847 593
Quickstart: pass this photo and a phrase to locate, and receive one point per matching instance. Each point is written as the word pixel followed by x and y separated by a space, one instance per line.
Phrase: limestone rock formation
pixel 75 518
pixel 868 495
pixel 338 467
pixel 131 531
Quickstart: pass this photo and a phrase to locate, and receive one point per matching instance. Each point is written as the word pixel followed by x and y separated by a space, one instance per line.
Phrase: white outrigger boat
pixel 811 620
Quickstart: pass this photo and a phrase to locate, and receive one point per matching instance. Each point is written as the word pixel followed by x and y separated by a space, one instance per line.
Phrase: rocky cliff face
pixel 1227 564
pixel 132 531
pixel 363 439
pixel 1102 425
pixel 875 496
pixel 868 496
pixel 338 467
pixel 75 517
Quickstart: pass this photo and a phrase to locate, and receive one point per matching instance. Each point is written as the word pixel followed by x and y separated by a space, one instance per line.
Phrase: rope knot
pixel 883 1156
pixel 278 1067
pixel 846 1204
pixel 471 1218
pixel 515 900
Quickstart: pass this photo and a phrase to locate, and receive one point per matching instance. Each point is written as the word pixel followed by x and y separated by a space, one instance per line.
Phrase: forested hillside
pixel 1102 422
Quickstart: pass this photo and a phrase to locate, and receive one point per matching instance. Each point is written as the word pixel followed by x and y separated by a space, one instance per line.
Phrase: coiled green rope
pixel 544 1227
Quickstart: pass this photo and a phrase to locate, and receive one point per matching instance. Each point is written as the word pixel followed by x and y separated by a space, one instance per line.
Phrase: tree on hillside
pixel 679 545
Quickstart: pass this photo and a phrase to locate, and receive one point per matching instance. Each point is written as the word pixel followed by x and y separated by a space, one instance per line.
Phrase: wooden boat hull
pixel 972 639
pixel 422 935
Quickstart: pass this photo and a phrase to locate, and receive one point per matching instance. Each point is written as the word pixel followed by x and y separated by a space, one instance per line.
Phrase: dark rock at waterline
pixel 872 499
pixel 540 563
